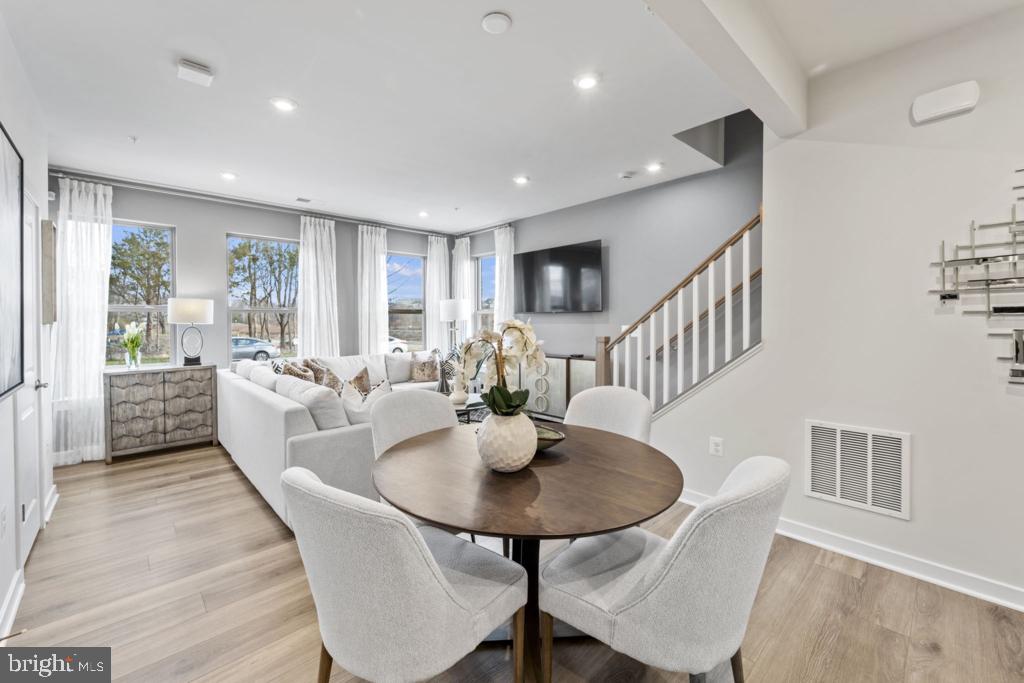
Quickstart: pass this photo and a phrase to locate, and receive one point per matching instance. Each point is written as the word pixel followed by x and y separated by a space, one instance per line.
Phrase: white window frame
pixel 478 307
pixel 231 310
pixel 144 308
pixel 423 296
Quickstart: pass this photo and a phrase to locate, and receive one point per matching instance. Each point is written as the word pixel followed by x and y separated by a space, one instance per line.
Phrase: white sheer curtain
pixel 435 288
pixel 84 226
pixel 504 278
pixel 373 289
pixel 463 281
pixel 318 289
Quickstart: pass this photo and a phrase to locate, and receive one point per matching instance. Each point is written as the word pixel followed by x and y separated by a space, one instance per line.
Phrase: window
pixel 263 286
pixel 141 281
pixel 485 291
pixel 405 302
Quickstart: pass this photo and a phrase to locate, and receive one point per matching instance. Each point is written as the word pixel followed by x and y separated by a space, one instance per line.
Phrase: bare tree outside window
pixel 263 286
pixel 141 281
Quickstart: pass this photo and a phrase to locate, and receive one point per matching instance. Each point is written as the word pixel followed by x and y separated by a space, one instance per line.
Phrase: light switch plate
pixel 716 446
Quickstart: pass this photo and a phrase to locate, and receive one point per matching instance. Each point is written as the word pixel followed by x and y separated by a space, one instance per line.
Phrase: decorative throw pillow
pixel 318 370
pixel 361 381
pixel 451 363
pixel 332 381
pixel 425 370
pixel 296 370
pixel 324 405
pixel 278 365
pixel 399 366
pixel 358 404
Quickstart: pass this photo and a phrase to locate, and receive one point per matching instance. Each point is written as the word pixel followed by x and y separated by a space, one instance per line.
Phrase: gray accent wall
pixel 653 237
pixel 201 230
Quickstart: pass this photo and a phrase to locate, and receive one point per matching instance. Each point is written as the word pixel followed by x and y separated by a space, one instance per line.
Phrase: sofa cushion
pixel 421 386
pixel 245 367
pixel 358 405
pixel 343 366
pixel 265 376
pixel 377 366
pixel 324 405
pixel 399 367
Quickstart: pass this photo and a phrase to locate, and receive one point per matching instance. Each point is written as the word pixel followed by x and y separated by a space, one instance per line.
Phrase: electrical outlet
pixel 716 446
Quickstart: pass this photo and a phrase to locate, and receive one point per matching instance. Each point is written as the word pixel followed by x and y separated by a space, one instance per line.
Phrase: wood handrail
pixel 706 312
pixel 733 239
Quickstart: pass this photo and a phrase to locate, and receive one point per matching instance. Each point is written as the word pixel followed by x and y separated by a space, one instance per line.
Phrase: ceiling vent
pixel 859 467
pixel 194 72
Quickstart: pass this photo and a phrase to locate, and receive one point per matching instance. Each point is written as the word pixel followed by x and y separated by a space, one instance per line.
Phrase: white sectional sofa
pixel 266 432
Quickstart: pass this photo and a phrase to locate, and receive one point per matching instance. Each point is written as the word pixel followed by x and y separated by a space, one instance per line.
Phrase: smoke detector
pixel 496 22
pixel 194 72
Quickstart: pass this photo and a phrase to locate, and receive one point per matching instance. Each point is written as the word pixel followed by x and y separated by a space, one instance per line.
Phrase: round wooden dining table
pixel 592 482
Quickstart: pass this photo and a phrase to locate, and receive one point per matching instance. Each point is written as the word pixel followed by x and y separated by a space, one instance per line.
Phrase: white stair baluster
pixel 711 317
pixel 728 304
pixel 665 349
pixel 680 325
pixel 746 290
pixel 640 358
pixel 615 365
pixel 627 375
pixel 652 332
pixel 695 330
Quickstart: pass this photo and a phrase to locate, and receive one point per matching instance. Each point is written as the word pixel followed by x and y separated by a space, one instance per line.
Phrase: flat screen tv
pixel 560 280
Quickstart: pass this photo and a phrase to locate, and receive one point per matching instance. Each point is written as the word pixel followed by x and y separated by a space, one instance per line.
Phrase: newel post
pixel 603 363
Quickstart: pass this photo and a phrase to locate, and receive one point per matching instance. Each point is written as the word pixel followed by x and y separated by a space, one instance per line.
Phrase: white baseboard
pixel 9 607
pixel 51 503
pixel 948 577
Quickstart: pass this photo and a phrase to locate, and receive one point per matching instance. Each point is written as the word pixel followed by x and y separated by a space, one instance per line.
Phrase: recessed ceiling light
pixel 585 81
pixel 496 22
pixel 228 175
pixel 424 214
pixel 521 179
pixel 655 167
pixel 284 104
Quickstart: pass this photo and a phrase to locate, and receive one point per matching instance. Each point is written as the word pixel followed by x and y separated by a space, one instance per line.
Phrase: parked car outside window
pixel 255 349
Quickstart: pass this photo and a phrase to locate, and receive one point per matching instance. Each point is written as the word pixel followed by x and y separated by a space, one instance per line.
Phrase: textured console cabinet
pixel 159 407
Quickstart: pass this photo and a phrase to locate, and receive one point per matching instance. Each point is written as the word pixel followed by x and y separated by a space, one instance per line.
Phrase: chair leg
pixel 519 644
pixel 472 537
pixel 737 667
pixel 325 665
pixel 504 547
pixel 547 633
pixel 698 678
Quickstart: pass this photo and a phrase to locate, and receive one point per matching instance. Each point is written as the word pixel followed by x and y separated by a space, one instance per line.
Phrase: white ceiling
pixel 404 105
pixel 828 34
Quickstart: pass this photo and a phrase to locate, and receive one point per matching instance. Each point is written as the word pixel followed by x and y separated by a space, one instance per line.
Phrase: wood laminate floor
pixel 176 563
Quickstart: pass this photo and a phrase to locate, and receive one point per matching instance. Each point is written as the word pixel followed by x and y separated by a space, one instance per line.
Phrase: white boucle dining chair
pixel 402 415
pixel 621 410
pixel 396 602
pixel 680 604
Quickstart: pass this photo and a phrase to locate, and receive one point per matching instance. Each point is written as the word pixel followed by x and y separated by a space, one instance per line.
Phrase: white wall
pixel 854 211
pixel 21 116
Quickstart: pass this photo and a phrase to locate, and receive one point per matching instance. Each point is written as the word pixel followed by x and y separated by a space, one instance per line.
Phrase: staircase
pixel 698 330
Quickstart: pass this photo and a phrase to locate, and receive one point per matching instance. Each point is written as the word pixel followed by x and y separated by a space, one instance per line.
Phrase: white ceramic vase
pixel 459 397
pixel 507 444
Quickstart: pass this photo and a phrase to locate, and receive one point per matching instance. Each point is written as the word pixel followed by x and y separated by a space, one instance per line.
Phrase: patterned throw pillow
pixel 319 371
pixel 424 370
pixel 358 404
pixel 361 381
pixel 450 364
pixel 278 365
pixel 296 370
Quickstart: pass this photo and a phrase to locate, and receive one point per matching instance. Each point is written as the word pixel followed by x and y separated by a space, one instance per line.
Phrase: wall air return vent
pixel 859 467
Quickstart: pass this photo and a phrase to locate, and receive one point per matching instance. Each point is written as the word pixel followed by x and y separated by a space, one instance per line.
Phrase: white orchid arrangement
pixel 498 354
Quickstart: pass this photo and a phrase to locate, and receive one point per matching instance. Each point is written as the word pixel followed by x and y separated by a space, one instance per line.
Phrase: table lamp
pixel 190 312
pixel 454 311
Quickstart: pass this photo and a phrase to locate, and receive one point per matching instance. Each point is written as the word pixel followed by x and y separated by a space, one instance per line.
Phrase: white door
pixel 26 401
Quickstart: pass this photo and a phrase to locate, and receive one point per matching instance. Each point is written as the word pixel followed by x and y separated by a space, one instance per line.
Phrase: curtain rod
pixel 479 231
pixel 60 172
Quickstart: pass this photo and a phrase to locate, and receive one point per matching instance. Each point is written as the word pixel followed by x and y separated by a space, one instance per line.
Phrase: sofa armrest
pixel 342 457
